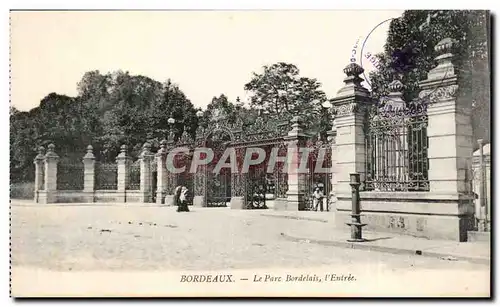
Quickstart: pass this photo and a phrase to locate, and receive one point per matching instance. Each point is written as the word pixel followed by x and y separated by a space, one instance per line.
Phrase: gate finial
pixel 90 153
pixel 353 81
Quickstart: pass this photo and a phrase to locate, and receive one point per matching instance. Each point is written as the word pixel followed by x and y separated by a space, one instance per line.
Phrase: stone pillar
pixel 449 134
pixel 89 174
pixel 350 107
pixel 50 180
pixel 481 166
pixel 296 178
pixel 123 164
pixel 332 136
pixel 39 169
pixel 171 177
pixel 145 165
pixel 162 179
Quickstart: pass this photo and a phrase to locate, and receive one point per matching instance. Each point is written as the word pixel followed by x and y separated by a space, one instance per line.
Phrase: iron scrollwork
pixel 396 147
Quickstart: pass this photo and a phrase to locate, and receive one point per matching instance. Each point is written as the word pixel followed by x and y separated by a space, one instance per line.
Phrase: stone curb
pixel 291 217
pixel 392 250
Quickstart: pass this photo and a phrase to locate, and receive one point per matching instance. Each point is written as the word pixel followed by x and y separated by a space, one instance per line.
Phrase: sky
pixel 207 53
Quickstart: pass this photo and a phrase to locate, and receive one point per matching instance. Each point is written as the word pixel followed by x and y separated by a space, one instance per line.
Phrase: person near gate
pixel 318 199
pixel 181 194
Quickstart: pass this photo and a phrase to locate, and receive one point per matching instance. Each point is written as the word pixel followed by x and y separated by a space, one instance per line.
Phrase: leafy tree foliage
pixel 281 89
pixel 118 108
pixel 409 52
pixel 110 110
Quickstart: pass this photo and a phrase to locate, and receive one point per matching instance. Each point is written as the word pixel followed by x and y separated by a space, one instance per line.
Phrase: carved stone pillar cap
pixel 396 86
pixel 163 145
pixel 296 120
pixel 123 152
pixel 445 46
pixel 41 153
pixel 51 151
pixel 89 154
pixel 353 69
pixel 146 150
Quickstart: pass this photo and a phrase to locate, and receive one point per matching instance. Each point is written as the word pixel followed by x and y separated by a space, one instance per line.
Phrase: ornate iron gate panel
pixel 396 148
pixel 218 185
pixel 70 175
pixel 280 175
pixel 134 181
pixel 256 188
pixel 219 188
pixel 319 175
pixel 106 177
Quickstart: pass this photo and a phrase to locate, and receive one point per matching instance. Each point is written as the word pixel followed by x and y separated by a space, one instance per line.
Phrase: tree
pixel 279 88
pixel 411 39
pixel 110 110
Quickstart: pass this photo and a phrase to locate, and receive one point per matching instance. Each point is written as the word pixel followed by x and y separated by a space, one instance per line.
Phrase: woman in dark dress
pixel 177 196
pixel 181 199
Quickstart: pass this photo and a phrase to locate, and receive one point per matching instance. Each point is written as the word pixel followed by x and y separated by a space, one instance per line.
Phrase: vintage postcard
pixel 233 153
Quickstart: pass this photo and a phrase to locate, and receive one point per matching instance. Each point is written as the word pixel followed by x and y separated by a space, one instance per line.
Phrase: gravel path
pixel 106 237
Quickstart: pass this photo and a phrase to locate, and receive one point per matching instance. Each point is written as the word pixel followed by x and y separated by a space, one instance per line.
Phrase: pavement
pixel 319 230
pixel 119 249
pixel 475 252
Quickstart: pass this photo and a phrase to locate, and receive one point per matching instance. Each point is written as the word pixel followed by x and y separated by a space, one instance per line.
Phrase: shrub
pixel 22 190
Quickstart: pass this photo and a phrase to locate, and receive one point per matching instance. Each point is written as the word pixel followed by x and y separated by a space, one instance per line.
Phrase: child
pixel 318 199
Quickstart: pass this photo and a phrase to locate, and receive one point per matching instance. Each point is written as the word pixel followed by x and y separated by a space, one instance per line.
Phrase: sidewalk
pixel 321 231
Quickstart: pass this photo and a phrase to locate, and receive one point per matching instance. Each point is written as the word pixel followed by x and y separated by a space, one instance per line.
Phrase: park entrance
pixel 218 183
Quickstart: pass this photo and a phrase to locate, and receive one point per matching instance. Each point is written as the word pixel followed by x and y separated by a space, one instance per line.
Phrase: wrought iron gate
pixel 320 153
pixel 396 147
pixel 218 185
pixel 256 188
pixel 218 188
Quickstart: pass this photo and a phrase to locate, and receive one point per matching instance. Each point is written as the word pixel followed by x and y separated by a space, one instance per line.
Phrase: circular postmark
pixel 401 61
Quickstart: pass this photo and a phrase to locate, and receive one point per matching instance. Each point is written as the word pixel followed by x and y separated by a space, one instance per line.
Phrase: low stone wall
pixel 98 196
pixel 421 214
pixel 69 196
pixel 281 204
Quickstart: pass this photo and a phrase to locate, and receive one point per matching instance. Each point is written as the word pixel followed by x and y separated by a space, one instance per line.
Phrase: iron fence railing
pixel 396 151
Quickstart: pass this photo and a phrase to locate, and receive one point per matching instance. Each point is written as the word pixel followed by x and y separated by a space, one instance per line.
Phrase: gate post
pixel 350 108
pixel 171 177
pixel 89 174
pixel 482 189
pixel 161 168
pixel 296 178
pixel 39 184
pixel 123 164
pixel 449 133
pixel 49 194
pixel 332 136
pixel 145 165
